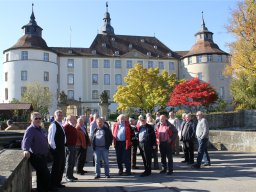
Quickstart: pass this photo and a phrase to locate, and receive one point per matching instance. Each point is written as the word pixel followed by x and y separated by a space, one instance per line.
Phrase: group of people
pixel 68 142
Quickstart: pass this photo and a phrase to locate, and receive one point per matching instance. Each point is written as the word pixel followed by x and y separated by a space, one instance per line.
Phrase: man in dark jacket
pixel 147 141
pixel 101 141
pixel 188 137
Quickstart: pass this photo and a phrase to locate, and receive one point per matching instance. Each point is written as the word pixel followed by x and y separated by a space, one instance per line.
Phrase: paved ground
pixel 230 172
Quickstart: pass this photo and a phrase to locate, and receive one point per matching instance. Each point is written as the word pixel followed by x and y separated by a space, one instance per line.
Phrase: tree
pixel 243 50
pixel 145 89
pixel 39 96
pixel 192 93
pixel 243 89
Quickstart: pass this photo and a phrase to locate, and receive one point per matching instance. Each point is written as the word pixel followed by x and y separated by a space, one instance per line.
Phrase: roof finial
pixel 203 24
pixel 107 6
pixel 32 7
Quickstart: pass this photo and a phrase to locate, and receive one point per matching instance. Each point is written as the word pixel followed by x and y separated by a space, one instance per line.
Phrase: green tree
pixel 243 90
pixel 40 97
pixel 145 89
pixel 243 50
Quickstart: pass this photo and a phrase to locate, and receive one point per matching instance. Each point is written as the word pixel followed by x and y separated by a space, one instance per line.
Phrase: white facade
pixel 84 73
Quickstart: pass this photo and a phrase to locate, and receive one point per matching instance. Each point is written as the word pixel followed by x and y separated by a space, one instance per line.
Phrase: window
pixel 189 60
pixel 46 56
pixel 46 76
pixel 70 63
pixel 94 63
pixel 117 63
pixel 71 94
pixel 23 90
pixel 221 76
pixel 106 64
pixel 221 92
pixel 6 76
pixel 6 93
pixel 94 79
pixel 129 64
pixel 150 64
pixel 7 57
pixel 161 65
pixel 118 79
pixel 24 75
pixel 108 92
pixel 219 58
pixel 70 79
pixel 199 59
pixel 171 65
pixel 209 58
pixel 106 79
pixel 140 62
pixel 95 94
pixel 24 55
pixel 200 75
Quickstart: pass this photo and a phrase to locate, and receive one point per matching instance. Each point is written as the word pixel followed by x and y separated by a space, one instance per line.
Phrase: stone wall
pixel 225 120
pixel 238 141
pixel 15 172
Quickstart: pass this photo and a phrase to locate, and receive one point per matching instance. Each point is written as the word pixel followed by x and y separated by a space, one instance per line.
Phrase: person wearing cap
pixel 166 134
pixel 135 141
pixel 147 142
pixel 122 144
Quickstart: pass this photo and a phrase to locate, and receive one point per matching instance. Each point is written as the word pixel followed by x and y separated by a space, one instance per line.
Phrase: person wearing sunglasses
pixel 35 147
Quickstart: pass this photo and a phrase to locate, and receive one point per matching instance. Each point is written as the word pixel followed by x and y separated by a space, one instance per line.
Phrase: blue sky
pixel 173 22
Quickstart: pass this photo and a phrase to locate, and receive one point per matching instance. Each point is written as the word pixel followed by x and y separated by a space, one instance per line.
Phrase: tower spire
pixel 107 29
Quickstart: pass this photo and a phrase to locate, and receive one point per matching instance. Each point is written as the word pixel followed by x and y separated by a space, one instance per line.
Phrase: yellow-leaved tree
pixel 145 89
pixel 40 97
pixel 243 50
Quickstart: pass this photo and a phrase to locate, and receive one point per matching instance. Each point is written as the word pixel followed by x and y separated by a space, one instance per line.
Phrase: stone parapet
pixel 15 172
pixel 237 141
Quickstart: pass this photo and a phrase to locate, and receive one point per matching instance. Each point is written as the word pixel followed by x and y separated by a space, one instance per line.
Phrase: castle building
pixel 84 73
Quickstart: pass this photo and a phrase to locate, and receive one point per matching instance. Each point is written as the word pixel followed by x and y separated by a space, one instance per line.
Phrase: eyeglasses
pixel 38 118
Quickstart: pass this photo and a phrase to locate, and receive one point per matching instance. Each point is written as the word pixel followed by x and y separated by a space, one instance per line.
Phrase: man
pixel 101 141
pixel 35 147
pixel 202 134
pixel 57 140
pixel 122 144
pixel 176 123
pixel 166 134
pixel 81 146
pixel 188 137
pixel 71 135
pixel 147 142
pixel 135 142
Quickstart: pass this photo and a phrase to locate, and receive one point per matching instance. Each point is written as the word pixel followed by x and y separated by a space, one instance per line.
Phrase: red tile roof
pixel 15 106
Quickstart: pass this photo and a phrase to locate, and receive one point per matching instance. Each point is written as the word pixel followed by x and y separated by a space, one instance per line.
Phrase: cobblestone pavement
pixel 230 172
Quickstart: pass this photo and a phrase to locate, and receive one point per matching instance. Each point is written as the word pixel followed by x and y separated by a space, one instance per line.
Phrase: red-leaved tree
pixel 193 93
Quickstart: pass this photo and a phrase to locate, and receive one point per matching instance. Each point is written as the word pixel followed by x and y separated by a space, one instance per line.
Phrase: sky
pixel 77 22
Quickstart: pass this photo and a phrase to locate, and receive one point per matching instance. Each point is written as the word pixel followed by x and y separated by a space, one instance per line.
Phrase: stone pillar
pixel 104 110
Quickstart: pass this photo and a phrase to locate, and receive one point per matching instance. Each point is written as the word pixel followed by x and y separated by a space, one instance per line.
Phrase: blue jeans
pixel 202 151
pixel 101 153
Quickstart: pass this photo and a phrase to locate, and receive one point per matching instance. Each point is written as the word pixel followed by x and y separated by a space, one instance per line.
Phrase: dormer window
pixel 94 52
pixel 130 46
pixel 155 47
pixel 142 40
pixel 103 44
pixel 169 54
pixel 148 53
pixel 70 51
pixel 116 53
pixel 113 39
